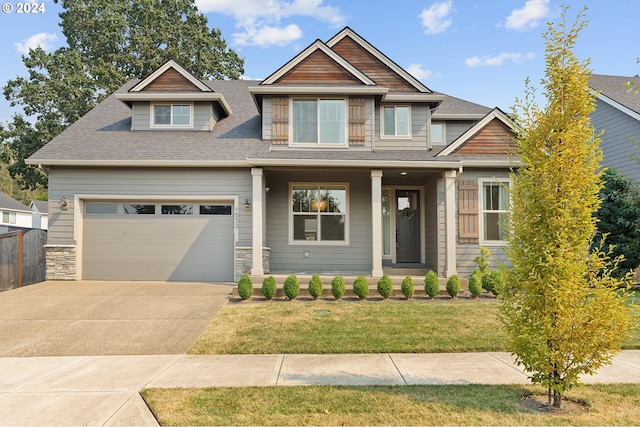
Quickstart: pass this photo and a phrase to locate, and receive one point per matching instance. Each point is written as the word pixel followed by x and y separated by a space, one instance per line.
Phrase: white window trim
pixel 13 217
pixel 171 126
pixel 444 133
pixel 382 134
pixel 344 242
pixel 481 210
pixel 344 144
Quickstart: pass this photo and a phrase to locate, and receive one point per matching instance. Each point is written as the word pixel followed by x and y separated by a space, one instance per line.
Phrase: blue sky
pixel 478 50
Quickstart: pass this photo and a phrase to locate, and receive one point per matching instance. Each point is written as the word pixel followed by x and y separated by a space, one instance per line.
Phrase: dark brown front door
pixel 407 226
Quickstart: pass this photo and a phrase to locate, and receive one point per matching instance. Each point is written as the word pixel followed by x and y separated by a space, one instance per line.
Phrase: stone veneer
pixel 244 261
pixel 61 262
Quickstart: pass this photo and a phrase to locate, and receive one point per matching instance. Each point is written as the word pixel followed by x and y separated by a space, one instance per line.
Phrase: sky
pixel 478 50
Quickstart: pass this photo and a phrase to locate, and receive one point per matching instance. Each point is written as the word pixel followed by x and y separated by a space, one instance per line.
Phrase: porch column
pixel 450 222
pixel 256 239
pixel 376 222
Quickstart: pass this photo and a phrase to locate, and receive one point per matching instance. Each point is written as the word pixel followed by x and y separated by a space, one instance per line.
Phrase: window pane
pixel 162 114
pixel 333 199
pixel 389 121
pixel 436 134
pixel 402 121
pixel 100 208
pixel 305 121
pixel 131 209
pixel 494 226
pixel 386 222
pixel 332 227
pixel 305 227
pixel 503 203
pixel 181 114
pixel 215 209
pixel 332 121
pixel 305 199
pixel 177 210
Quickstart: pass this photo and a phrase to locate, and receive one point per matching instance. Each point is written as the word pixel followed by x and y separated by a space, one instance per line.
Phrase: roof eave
pixel 130 97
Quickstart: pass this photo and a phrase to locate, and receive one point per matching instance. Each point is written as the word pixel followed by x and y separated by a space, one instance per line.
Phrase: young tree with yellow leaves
pixel 563 311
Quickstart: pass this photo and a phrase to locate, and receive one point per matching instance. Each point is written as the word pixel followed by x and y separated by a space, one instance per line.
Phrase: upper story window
pixel 395 121
pixel 319 121
pixel 494 210
pixel 9 217
pixel 437 133
pixel 172 115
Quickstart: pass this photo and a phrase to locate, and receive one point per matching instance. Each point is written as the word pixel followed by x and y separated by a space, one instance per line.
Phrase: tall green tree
pixel 562 310
pixel 108 43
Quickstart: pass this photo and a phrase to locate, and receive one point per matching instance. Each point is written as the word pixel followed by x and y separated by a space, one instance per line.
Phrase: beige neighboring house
pixel 340 162
pixel 14 214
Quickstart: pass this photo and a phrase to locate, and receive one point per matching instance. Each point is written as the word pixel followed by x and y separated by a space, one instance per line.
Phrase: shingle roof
pixel 615 88
pixel 10 203
pixel 103 136
pixel 41 205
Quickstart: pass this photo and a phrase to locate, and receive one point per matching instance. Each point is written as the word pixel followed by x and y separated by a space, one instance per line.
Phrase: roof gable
pixel 170 77
pixel 304 67
pixel 615 91
pixel 374 63
pixel 491 135
pixel 9 203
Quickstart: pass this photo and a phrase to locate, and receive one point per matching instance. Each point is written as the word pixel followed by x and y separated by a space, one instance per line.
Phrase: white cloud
pixel 528 16
pixel 436 19
pixel 260 20
pixel 418 72
pixel 44 40
pixel 497 61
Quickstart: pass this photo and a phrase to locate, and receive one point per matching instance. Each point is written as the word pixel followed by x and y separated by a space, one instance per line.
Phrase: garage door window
pixel 215 209
pixel 137 209
pixel 177 209
pixel 96 208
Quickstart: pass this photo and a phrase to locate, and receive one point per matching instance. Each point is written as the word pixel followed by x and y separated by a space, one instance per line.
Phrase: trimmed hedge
pixel 408 290
pixel 337 287
pixel 361 287
pixel 245 287
pixel 475 283
pixel 269 287
pixel 315 286
pixel 431 284
pixel 292 287
pixel 385 287
pixel 453 286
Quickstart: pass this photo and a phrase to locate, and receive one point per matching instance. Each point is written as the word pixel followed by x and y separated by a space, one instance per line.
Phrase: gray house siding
pixel 290 258
pixel 419 117
pixel 202 116
pixel 621 132
pixel 68 182
pixel 456 128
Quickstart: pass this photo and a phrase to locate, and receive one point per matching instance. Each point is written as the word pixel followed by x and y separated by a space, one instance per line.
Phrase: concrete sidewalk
pixel 103 390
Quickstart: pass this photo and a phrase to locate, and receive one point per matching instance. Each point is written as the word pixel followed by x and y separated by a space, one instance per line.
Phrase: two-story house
pixel 340 162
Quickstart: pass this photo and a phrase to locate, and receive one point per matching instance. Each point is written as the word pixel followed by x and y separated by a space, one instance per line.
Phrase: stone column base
pixel 61 262
pixel 244 261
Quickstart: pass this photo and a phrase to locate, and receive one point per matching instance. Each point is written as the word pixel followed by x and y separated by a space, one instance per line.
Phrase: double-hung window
pixel 395 121
pixel 179 115
pixel 319 121
pixel 494 210
pixel 437 133
pixel 318 213
pixel 9 217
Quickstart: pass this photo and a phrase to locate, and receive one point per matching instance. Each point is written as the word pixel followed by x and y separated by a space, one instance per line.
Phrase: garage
pixel 158 240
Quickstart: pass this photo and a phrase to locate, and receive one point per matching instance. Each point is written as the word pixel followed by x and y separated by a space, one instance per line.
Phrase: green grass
pixel 388 405
pixel 390 326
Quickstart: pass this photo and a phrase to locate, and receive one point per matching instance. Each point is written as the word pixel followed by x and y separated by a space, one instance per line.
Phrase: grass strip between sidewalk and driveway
pixel 391 326
pixel 391 405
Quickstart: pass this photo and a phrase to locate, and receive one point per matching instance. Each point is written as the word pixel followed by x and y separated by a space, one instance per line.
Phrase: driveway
pixel 92 318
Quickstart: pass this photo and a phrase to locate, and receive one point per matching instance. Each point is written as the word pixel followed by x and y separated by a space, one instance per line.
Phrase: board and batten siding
pixel 467 251
pixel 289 258
pixel 203 116
pixel 68 182
pixel 621 132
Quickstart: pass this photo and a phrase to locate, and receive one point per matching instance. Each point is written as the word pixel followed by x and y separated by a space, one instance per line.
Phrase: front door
pixel 407 226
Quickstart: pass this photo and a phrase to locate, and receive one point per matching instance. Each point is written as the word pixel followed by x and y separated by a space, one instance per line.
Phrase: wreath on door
pixel 408 214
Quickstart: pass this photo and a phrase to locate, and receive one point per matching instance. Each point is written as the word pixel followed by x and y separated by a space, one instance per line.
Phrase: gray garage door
pixel 170 241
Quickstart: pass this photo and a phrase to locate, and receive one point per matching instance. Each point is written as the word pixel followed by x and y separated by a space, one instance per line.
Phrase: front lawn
pixel 350 326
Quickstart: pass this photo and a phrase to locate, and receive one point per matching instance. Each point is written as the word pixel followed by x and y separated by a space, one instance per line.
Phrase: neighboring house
pixel 13 214
pixel 40 210
pixel 617 114
pixel 339 162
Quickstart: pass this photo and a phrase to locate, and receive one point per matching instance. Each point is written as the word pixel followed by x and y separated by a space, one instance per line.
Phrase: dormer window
pixel 319 121
pixel 395 121
pixel 172 115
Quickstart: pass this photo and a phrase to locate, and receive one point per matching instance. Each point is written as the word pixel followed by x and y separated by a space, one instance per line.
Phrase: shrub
pixel 291 287
pixel 453 286
pixel 361 287
pixel 315 286
pixel 269 287
pixel 493 282
pixel 407 287
pixel 337 287
pixel 385 287
pixel 475 283
pixel 245 287
pixel 482 260
pixel 431 284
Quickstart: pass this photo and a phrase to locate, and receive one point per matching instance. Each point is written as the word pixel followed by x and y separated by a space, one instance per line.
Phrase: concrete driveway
pixel 92 318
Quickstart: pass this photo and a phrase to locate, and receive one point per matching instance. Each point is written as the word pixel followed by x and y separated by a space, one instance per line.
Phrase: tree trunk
pixel 557 399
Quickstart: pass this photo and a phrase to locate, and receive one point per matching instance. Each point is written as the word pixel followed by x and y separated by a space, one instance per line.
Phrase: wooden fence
pixel 22 258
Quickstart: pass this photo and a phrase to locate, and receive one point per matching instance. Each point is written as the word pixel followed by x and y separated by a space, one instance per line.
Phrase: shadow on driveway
pixel 92 318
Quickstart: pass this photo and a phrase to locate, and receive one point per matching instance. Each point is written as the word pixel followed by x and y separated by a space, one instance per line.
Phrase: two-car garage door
pixel 163 240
